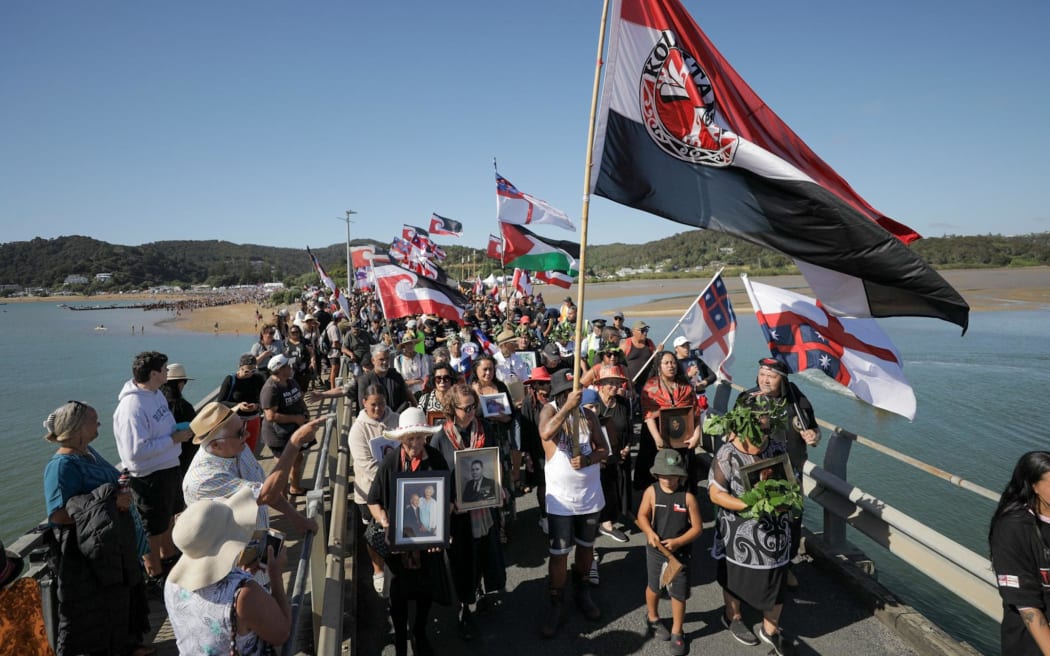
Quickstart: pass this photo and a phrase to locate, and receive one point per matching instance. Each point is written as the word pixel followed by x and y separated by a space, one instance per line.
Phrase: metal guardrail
pixel 953 566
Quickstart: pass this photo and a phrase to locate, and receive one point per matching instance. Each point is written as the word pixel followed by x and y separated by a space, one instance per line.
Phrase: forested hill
pixel 49 262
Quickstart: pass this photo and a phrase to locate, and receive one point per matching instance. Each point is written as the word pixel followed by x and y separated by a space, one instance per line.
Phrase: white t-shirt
pixel 573 491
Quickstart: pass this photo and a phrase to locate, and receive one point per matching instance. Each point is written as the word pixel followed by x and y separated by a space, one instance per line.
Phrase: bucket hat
pixel 211 534
pixel 668 463
pixel 611 372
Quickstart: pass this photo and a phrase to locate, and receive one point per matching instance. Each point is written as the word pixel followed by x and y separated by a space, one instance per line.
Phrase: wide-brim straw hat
pixel 211 534
pixel 412 421
pixel 506 335
pixel 177 371
pixel 668 462
pixel 210 421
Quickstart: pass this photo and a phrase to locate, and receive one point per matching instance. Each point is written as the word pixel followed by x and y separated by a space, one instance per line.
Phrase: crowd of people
pixel 178 515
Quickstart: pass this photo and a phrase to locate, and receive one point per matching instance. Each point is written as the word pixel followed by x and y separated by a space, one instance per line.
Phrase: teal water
pixel 978 398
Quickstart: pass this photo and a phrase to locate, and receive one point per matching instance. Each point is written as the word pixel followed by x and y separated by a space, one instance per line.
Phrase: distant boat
pixel 100 327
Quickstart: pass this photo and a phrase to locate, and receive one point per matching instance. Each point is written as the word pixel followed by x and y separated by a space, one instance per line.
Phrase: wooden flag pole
pixel 584 213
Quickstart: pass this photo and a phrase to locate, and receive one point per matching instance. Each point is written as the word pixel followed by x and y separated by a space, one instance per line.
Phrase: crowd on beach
pixel 484 411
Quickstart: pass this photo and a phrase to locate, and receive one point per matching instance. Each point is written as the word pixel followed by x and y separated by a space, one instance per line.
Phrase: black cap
pixel 774 364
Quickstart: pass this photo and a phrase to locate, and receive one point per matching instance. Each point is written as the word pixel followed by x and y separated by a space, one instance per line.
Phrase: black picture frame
pixel 427 527
pixel 489 492
pixel 778 468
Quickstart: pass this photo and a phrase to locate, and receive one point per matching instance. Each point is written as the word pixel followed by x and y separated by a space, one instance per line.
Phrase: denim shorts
pixel 563 530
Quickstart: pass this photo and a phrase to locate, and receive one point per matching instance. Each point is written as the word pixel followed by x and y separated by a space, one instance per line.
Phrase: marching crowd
pixel 185 514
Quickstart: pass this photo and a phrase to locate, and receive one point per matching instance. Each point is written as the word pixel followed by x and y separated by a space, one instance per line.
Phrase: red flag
pixel 329 283
pixel 361 256
pixel 495 249
pixel 521 282
pixel 682 136
pixel 405 293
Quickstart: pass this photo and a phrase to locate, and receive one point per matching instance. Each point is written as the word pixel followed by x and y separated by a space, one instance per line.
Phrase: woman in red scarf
pixel 475 553
pixel 669 388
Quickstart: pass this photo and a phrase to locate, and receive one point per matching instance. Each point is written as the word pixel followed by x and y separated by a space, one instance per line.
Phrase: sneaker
pixel 677 646
pixel 780 645
pixel 593 575
pixel 614 533
pixel 656 628
pixel 543 525
pixel 379 582
pixel 739 631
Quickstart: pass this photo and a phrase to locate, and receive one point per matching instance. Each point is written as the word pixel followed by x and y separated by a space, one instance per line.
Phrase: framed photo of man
pixel 419 516
pixel 778 468
pixel 436 418
pixel 529 358
pixel 479 480
pixel 380 446
pixel 676 425
pixel 494 404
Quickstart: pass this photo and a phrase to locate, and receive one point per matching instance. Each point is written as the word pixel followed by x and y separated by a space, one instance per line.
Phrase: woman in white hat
pixel 216 607
pixel 92 618
pixel 182 409
pixel 412 571
pixel 284 411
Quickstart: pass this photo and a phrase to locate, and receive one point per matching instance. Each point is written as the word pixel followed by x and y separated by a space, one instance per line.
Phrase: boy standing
pixel 669 515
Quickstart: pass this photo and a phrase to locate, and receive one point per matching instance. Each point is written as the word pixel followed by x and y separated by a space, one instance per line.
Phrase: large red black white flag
pixel 403 293
pixel 682 136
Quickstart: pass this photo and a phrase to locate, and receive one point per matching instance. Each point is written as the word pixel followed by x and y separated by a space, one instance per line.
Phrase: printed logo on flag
pixel 678 106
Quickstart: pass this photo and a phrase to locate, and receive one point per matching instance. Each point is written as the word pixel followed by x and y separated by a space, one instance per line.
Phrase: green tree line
pixel 48 262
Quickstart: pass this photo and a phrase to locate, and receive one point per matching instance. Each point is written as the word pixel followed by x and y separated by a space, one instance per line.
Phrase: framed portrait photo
pixel 529 358
pixel 778 468
pixel 479 479
pixel 436 418
pixel 494 404
pixel 380 446
pixel 419 516
pixel 676 425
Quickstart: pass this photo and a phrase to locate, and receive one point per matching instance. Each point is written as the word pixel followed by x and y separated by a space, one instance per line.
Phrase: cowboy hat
pixel 561 381
pixel 506 335
pixel 211 533
pixel 177 372
pixel 413 421
pixel 210 421
pixel 408 340
pixel 668 463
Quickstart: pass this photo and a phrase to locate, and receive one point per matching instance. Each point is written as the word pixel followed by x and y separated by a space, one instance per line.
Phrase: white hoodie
pixel 142 427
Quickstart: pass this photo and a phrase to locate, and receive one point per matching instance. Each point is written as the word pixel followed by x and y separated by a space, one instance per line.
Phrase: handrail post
pixel 836 459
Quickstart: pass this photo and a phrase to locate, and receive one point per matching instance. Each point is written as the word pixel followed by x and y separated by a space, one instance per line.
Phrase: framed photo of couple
pixel 420 512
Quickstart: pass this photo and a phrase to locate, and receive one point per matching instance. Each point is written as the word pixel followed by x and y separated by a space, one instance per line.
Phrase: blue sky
pixel 261 122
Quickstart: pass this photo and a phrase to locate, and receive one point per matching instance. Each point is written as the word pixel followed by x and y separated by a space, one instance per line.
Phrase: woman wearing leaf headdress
pixel 753 532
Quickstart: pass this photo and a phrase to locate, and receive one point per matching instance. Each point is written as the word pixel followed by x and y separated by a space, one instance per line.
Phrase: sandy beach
pixel 984 289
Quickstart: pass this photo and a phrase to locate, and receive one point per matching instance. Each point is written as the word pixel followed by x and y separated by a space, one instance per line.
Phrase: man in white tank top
pixel 574 449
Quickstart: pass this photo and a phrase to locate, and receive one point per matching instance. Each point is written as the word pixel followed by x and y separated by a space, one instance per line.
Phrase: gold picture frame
pixel 676 426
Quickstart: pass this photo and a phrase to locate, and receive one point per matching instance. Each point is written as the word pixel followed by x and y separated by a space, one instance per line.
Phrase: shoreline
pixel 986 290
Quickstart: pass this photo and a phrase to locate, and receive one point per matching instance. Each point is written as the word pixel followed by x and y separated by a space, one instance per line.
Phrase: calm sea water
pixel 980 405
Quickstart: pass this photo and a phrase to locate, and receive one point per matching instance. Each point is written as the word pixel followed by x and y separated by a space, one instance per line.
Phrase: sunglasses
pixel 442 379
pixel 468 408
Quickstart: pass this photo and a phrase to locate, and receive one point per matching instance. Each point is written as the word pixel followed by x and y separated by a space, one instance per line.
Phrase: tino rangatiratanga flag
pixel 404 293
pixel 681 135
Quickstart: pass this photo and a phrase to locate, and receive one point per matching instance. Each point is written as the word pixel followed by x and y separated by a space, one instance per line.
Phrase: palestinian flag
pixel 524 249
pixel 403 293
pixel 682 136
pixel 556 278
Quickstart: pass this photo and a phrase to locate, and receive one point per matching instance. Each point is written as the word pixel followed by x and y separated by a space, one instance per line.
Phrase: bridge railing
pixel 955 567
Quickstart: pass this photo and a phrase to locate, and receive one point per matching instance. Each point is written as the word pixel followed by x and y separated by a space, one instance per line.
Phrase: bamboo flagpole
pixel 584 214
pixel 679 323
